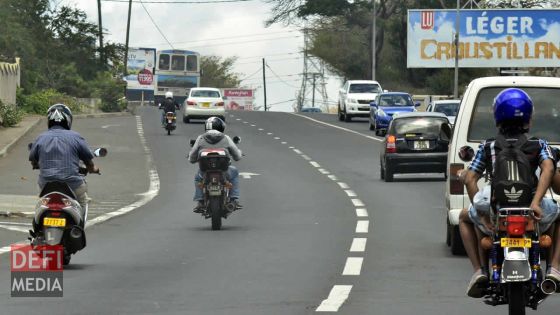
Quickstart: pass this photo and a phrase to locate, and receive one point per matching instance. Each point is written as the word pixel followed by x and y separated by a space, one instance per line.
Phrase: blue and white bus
pixel 177 71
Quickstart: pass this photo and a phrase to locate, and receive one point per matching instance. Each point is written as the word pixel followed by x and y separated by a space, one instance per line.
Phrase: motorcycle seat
pixel 60 187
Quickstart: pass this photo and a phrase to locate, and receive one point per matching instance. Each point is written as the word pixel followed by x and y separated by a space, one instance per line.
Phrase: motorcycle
pixel 515 250
pixel 214 164
pixel 170 122
pixel 58 217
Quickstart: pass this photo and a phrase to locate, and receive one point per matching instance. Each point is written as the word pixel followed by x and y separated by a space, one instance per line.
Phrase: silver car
pixel 203 103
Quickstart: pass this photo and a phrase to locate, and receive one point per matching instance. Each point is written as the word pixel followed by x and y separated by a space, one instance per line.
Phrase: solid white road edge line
pixel 338 127
pixel 353 266
pixel 153 189
pixel 358 245
pixel 337 296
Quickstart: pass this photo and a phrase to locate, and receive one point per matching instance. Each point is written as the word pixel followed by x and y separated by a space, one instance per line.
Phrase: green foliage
pixel 39 102
pixel 217 72
pixel 10 115
pixel 110 91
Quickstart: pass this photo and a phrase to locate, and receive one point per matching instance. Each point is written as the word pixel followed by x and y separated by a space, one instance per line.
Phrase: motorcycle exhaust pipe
pixel 76 232
pixel 230 207
pixel 548 286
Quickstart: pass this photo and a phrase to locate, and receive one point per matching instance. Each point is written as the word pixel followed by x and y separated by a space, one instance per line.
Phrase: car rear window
pixel 425 126
pixel 205 93
pixel 364 88
pixel 449 109
pixel 546 114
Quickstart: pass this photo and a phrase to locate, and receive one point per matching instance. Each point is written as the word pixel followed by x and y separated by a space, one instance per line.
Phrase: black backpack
pixel 513 179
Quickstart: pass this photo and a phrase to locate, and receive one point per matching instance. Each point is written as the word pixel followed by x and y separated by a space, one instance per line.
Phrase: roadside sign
pixel 145 77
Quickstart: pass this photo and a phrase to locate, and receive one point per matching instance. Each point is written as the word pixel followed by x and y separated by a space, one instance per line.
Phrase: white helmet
pixel 169 94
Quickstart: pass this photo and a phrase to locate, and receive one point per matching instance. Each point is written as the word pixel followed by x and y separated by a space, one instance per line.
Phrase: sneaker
pixel 199 208
pixel 477 284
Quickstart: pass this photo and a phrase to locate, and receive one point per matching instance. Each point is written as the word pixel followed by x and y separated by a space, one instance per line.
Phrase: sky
pixel 223 29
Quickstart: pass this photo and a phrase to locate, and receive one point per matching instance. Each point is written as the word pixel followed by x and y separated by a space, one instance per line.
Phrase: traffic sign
pixel 145 77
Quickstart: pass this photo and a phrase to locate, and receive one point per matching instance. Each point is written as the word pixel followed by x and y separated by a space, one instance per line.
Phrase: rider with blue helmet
pixel 513 109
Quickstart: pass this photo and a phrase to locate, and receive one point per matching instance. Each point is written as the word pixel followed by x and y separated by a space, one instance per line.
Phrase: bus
pixel 177 71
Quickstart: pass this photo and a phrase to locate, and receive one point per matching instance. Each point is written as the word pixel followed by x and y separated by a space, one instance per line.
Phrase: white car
pixel 475 123
pixel 354 98
pixel 203 103
pixel 448 107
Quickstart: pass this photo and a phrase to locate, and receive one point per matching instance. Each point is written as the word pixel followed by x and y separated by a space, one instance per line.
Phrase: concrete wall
pixel 10 74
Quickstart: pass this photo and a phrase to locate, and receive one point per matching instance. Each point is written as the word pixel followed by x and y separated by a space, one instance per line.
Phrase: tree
pixel 218 72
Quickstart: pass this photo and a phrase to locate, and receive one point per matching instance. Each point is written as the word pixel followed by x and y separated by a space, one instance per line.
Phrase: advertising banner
pixel 238 99
pixel 487 38
pixel 140 68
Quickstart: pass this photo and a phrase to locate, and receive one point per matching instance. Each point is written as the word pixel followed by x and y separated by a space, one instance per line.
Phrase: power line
pixel 278 77
pixel 157 27
pixel 247 77
pixel 244 42
pixel 221 38
pixel 269 60
pixel 282 102
pixel 181 2
pixel 261 56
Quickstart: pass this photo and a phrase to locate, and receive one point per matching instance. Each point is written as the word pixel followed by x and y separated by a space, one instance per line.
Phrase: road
pixel 317 220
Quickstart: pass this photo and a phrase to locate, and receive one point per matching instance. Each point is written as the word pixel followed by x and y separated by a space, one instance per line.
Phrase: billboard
pixel 238 99
pixel 487 38
pixel 140 68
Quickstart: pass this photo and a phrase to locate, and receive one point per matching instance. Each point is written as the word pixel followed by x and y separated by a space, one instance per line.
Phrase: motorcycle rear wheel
pixel 214 205
pixel 516 298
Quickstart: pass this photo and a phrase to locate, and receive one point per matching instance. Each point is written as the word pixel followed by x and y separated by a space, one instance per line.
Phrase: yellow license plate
pixel 54 222
pixel 205 104
pixel 515 242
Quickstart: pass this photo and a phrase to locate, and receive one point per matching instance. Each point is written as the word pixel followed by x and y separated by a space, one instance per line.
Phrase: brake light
pixel 391 146
pixel 56 202
pixel 191 103
pixel 220 104
pixel 456 186
pixel 516 225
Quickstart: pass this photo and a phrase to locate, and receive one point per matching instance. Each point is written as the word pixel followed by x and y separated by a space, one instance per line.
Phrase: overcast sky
pixel 223 29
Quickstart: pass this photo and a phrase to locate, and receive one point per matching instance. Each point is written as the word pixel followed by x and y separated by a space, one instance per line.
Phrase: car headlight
pixel 381 113
pixel 351 100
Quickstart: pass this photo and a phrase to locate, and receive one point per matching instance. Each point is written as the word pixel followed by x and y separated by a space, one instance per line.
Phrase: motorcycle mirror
pixel 236 139
pixel 192 142
pixel 29 145
pixel 100 152
pixel 466 153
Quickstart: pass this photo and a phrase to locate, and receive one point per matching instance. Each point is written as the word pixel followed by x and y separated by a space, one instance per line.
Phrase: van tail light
pixel 191 103
pixel 516 225
pixel 456 186
pixel 220 104
pixel 391 146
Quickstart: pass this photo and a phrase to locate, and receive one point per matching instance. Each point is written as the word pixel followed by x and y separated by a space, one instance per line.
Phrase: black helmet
pixel 59 115
pixel 215 123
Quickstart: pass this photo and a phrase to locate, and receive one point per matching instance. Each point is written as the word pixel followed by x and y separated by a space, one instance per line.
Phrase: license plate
pixel 54 222
pixel 170 121
pixel 515 242
pixel 421 145
pixel 205 104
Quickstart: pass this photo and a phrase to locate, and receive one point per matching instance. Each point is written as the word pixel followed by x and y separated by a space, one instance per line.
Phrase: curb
pixel 6 149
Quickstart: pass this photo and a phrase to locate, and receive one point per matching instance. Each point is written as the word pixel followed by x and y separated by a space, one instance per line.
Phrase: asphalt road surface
pixel 319 231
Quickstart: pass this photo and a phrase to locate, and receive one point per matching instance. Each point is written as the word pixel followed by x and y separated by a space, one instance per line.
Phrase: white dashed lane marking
pixel 361 212
pixel 333 177
pixel 337 296
pixel 306 157
pixel 362 226
pixel 353 266
pixel 315 164
pixel 350 193
pixel 357 202
pixel 323 171
pixel 343 185
pixel 358 245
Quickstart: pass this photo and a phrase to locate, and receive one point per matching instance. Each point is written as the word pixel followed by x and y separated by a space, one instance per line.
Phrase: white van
pixel 475 123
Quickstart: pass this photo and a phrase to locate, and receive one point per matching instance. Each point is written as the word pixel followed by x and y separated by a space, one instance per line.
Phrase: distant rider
pixel 215 138
pixel 168 105
pixel 57 153
pixel 513 109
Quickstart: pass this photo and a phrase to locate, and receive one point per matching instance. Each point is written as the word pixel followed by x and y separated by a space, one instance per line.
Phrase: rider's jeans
pixel 233 177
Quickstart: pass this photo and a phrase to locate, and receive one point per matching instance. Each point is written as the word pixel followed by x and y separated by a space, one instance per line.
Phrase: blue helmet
pixel 513 105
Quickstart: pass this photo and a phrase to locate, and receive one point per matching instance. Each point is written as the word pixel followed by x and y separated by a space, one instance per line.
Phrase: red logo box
pixel 28 258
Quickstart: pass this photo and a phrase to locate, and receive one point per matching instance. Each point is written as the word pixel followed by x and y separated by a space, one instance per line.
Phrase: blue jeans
pixel 232 175
pixel 550 214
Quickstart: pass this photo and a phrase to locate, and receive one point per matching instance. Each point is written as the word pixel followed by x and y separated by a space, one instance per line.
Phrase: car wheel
pixel 455 241
pixel 371 126
pixel 388 174
pixel 340 116
pixel 186 119
pixel 347 118
pixel 381 172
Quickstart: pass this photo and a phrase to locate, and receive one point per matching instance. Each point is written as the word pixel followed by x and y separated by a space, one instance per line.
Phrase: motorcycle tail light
pixel 516 225
pixel 456 186
pixel 55 202
pixel 391 146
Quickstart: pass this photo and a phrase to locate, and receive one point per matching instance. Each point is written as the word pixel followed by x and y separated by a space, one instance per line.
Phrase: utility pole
pixel 313 97
pixel 457 30
pixel 101 52
pixel 373 43
pixel 127 36
pixel 264 84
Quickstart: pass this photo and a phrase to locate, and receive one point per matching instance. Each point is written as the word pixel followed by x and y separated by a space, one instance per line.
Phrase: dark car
pixel 415 143
pixel 385 106
pixel 311 110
